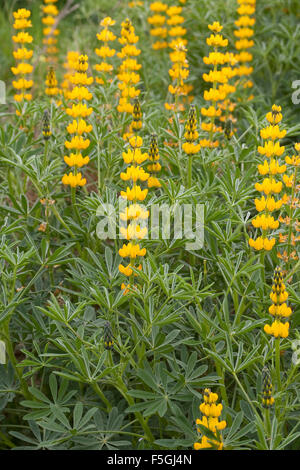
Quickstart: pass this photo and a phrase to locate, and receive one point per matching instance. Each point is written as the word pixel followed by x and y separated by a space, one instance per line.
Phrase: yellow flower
pixel 73 180
pixel 79 110
pixel 271 149
pixel 77 142
pixel 211 412
pixel 217 40
pixel 23 38
pixel 215 27
pixel 76 159
pixel 132 251
pixel 135 193
pixel 134 173
pixel 133 232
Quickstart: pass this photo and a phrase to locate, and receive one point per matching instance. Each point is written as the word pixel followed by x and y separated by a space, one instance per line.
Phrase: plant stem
pixel 190 167
pixel 277 363
pixel 99 392
pixel 123 390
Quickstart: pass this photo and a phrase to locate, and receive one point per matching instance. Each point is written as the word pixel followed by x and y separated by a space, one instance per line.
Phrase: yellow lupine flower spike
pixel 22 69
pixel 279 309
pixel 269 186
pixel 78 128
pixel 211 411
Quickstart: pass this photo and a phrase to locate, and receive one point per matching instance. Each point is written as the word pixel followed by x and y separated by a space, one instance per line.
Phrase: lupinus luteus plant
pixel 270 186
pixel 219 84
pixel 190 146
pixel 22 55
pixel 128 71
pixel 79 111
pixel 179 72
pixel 211 411
pixel 154 167
pixel 244 34
pixel 51 83
pixel 176 31
pixel 134 213
pixel 183 314
pixel 50 13
pixel 279 308
pixel 217 95
pixel 105 52
pixel 157 21
pixel 70 67
pixel 290 237
pixel 267 398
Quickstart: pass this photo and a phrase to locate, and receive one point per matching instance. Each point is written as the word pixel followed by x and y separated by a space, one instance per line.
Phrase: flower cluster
pixel 211 412
pixel 154 167
pixel 128 72
pixel 270 186
pixel 22 55
pixel 134 213
pixel 46 130
pixel 105 52
pixel 267 399
pixel 179 72
pixel 291 204
pixel 279 308
pixel 50 33
pixel 79 127
pixel 176 30
pixel 244 33
pixel 157 21
pixel 70 67
pixel 51 83
pixel 191 134
pixel 220 88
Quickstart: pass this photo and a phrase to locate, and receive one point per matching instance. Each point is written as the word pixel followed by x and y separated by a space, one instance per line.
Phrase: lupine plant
pixel 120 327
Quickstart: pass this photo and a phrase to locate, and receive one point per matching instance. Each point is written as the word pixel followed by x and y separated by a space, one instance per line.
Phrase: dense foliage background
pixel 198 319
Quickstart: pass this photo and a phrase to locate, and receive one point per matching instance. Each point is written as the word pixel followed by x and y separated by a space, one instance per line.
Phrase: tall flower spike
pixel 291 203
pixel 176 31
pixel 50 13
pixel 191 134
pixel 46 125
pixel 105 52
pixel 220 88
pixel 154 167
pixel 179 72
pixel 134 213
pixel 211 412
pixel 270 186
pixel 244 34
pixel 51 83
pixel 267 399
pixel 70 67
pixel 128 71
pixel 136 123
pixel 157 21
pixel 22 55
pixel 279 308
pixel 80 95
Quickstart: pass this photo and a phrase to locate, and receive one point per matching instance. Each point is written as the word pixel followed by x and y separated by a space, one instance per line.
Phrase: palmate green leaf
pixel 150 408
